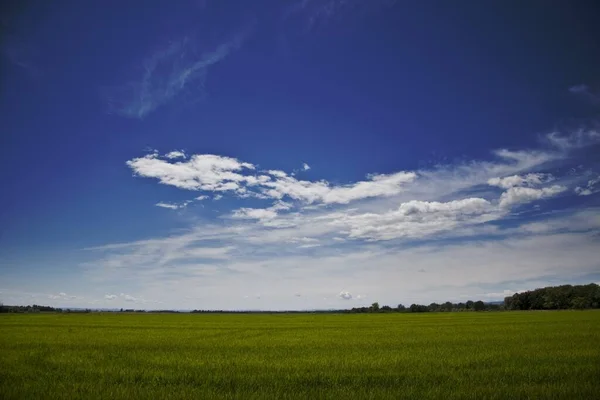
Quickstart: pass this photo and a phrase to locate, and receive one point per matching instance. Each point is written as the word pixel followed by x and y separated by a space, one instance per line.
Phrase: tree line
pixel 433 307
pixel 28 309
pixel 563 297
pixel 548 298
pixel 556 298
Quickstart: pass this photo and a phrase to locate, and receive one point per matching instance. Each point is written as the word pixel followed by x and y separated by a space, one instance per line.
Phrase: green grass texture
pixel 502 355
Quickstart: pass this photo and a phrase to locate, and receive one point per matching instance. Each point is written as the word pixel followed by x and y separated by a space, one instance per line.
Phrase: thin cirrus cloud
pixel 586 92
pixel 175 206
pixel 169 72
pixel 310 15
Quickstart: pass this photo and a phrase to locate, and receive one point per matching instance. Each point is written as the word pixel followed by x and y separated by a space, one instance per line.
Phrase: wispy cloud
pixel 174 206
pixel 169 72
pixel 310 15
pixel 167 205
pixel 61 296
pixel 592 187
pixel 586 92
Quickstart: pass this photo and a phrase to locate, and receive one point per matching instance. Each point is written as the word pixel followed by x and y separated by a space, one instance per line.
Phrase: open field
pixel 432 355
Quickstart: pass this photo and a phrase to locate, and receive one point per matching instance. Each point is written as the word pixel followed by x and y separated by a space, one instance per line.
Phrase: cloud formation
pixel 518 180
pixel 175 154
pixel 61 296
pixel 377 235
pixel 522 195
pixel 345 295
pixel 167 205
pixel 415 219
pixel 214 173
pixel 590 188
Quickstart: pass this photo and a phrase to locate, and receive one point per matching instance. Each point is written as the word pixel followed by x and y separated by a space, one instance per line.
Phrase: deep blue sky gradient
pixel 374 88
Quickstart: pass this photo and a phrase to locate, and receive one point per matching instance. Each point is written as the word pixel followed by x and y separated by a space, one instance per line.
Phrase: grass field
pixel 511 355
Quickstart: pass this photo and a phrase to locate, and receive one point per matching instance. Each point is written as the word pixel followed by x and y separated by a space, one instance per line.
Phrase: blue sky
pixel 296 154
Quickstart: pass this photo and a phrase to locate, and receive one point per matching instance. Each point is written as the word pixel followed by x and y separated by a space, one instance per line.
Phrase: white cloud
pixel 388 273
pixel 590 188
pixel 277 173
pixel 128 297
pixel 303 240
pixel 254 213
pixel 110 296
pixel 262 214
pixel 202 197
pixel 345 295
pixel 322 191
pixel 305 167
pixel 214 173
pixel 521 195
pixel 201 172
pixel 167 205
pixel 175 154
pixel 415 219
pixel 61 296
pixel 497 295
pixel 518 180
pixel 226 175
pixel 371 236
pixel 577 139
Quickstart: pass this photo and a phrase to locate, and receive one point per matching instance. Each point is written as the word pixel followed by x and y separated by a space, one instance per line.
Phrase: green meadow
pixel 501 355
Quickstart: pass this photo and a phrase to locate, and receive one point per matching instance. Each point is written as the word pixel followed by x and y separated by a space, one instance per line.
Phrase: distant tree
pixel 401 308
pixel 555 297
pixel 447 306
pixel 469 305
pixel 479 305
pixel 375 307
pixel 579 303
pixel 386 309
pixel 418 308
